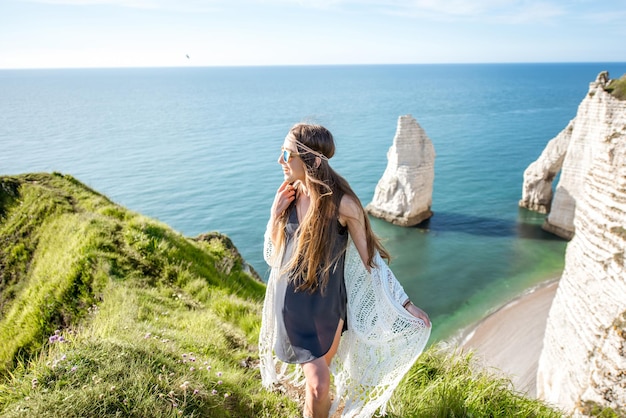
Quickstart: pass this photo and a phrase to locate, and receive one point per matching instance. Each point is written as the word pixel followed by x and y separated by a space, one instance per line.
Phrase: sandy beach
pixel 511 338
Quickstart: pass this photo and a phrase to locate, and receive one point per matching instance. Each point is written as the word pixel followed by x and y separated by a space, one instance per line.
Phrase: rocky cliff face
pixel 404 193
pixel 583 362
pixel 572 152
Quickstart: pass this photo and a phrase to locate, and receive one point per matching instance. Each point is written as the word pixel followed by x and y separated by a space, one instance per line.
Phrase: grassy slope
pixel 617 87
pixel 155 324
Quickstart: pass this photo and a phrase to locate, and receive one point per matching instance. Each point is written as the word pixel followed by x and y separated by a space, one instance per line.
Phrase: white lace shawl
pixel 381 344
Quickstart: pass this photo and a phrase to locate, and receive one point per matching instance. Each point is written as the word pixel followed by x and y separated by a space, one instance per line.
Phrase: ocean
pixel 197 149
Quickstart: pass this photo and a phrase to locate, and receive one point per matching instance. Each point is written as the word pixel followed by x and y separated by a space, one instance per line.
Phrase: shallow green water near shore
pixel 460 276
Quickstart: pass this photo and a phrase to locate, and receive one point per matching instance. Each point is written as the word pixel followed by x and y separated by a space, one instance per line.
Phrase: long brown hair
pixel 313 253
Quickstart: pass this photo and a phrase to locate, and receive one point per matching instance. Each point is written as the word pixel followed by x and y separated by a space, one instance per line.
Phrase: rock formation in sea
pixel 571 152
pixel 583 360
pixel 403 195
pixel 538 177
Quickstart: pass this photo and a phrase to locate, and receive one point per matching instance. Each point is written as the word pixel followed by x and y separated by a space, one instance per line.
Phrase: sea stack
pixel 583 360
pixel 572 151
pixel 403 195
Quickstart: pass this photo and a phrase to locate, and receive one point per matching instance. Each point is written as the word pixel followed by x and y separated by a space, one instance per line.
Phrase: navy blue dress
pixel 306 329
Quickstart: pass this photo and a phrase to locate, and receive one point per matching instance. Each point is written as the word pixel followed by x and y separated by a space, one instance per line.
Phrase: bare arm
pixel 351 214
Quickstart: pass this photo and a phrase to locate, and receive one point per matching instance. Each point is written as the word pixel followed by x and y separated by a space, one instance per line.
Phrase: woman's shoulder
pixel 349 208
pixel 349 205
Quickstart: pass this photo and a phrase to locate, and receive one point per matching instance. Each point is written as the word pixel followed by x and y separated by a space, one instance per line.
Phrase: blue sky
pixel 146 33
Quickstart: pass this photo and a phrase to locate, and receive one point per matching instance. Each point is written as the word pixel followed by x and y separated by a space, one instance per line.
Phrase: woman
pixel 315 218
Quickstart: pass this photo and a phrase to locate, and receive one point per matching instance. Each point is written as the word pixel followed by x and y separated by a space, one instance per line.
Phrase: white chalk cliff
pixel 403 195
pixel 583 360
pixel 572 153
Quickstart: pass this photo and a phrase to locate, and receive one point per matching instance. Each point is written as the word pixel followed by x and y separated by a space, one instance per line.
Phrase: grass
pixel 104 312
pixel 617 88
pixel 443 383
pixel 143 352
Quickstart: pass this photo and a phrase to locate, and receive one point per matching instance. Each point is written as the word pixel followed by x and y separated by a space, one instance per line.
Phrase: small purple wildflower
pixel 56 338
pixel 73 369
pixel 214 392
pixel 219 382
pixel 219 374
pixel 196 391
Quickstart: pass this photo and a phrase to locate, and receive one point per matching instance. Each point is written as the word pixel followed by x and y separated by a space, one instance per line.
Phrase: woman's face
pixel 293 169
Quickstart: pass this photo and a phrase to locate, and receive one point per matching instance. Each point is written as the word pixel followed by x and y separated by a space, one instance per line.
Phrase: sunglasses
pixel 286 154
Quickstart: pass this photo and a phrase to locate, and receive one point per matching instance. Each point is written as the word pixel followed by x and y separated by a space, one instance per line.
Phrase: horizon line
pixel 304 65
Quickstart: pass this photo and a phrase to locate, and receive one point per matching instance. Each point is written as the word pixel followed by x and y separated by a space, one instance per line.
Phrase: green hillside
pixel 105 312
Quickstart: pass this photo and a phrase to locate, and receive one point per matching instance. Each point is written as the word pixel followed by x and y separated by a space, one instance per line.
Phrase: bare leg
pixel 317 374
pixel 317 396
pixel 333 348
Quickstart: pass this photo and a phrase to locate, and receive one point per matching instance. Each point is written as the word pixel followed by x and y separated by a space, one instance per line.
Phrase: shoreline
pixel 509 340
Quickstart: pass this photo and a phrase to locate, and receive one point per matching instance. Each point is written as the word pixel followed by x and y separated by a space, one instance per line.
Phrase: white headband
pixel 312 151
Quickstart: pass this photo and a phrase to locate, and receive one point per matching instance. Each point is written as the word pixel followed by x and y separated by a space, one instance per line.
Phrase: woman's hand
pixel 418 313
pixel 285 194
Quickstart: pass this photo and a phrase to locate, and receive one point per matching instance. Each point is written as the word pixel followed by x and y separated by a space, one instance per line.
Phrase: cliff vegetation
pixel 105 312
pixel 617 88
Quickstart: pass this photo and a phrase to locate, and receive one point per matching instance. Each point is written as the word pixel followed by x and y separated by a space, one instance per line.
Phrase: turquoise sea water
pixel 197 147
